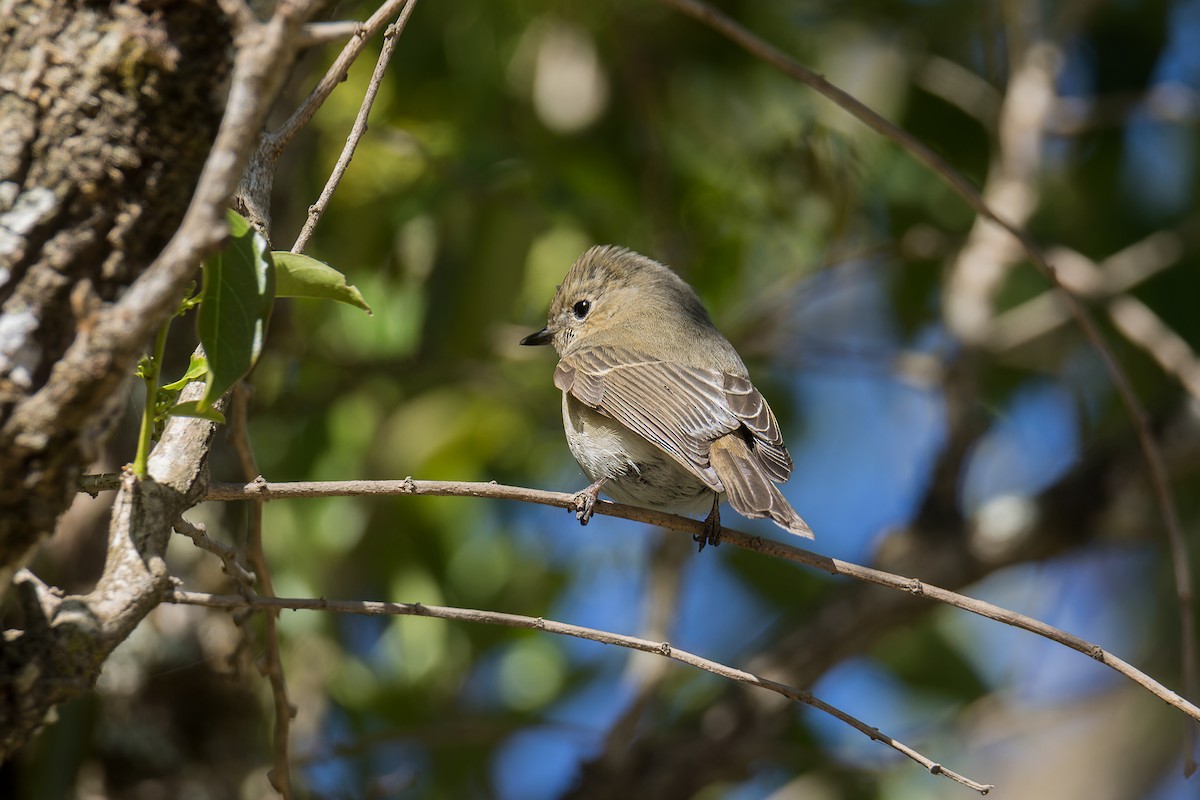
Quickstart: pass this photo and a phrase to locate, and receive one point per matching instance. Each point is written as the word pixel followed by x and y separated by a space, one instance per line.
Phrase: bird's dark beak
pixel 544 336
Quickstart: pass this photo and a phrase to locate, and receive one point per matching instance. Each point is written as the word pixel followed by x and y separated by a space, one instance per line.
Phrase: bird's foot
pixel 712 528
pixel 585 502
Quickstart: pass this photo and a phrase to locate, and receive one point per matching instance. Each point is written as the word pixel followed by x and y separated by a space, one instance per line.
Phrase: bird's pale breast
pixel 639 473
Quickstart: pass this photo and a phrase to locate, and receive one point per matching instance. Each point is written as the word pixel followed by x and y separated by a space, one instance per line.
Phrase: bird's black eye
pixel 581 309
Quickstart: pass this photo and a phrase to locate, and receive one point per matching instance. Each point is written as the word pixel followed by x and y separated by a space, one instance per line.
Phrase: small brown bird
pixel 658 408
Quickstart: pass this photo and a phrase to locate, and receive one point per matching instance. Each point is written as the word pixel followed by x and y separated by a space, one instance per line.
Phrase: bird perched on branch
pixel 658 407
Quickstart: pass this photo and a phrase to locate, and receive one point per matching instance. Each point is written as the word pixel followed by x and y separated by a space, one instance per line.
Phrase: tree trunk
pixel 107 112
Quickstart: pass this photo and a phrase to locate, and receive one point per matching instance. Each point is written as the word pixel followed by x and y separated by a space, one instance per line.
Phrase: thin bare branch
pixel 276 141
pixel 242 577
pixel 358 129
pixel 271 665
pixel 371 608
pixel 253 198
pixel 834 566
pixel 96 483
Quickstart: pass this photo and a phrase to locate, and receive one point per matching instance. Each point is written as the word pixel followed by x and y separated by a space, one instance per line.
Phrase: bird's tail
pixel 750 490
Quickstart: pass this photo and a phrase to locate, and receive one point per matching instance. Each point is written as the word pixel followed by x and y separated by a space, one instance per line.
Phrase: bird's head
pixel 610 288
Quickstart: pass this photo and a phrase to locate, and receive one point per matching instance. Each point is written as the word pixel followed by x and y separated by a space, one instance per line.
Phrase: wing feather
pixel 680 409
pixel 749 490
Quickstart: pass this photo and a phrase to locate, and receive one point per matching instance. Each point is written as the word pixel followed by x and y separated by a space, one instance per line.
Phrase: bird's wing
pixel 751 409
pixel 749 488
pixel 680 409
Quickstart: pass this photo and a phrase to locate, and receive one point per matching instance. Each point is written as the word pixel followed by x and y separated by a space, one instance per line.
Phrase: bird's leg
pixel 585 501
pixel 712 526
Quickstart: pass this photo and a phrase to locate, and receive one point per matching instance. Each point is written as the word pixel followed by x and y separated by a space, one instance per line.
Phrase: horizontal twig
pixel 374 608
pixel 834 566
pixel 280 491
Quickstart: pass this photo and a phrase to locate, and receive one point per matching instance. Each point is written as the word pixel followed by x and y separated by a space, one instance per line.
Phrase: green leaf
pixel 301 276
pixel 236 297
pixel 197 367
pixel 192 408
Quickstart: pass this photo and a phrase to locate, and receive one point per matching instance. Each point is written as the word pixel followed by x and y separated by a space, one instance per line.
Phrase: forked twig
pixel 276 141
pixel 358 129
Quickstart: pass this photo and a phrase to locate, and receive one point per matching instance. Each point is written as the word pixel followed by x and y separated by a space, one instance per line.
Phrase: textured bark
pixel 66 640
pixel 107 112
